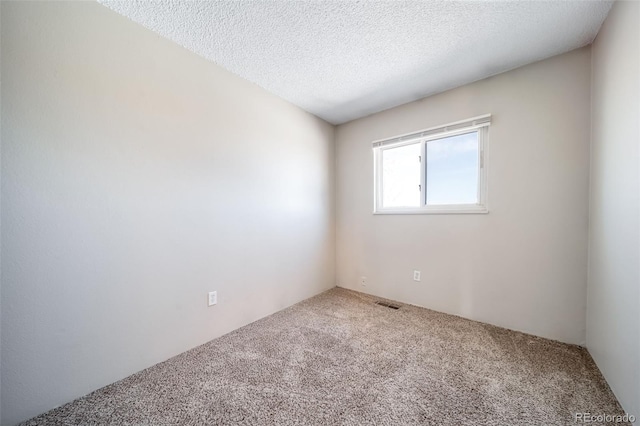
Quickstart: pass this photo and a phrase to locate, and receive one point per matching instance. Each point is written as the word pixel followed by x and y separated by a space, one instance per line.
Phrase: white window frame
pixel 479 124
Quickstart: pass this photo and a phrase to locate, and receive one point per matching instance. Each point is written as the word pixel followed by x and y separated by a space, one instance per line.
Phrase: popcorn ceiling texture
pixel 340 359
pixel 342 60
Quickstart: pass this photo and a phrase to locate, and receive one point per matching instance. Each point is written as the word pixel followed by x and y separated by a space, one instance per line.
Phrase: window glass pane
pixel 401 176
pixel 452 170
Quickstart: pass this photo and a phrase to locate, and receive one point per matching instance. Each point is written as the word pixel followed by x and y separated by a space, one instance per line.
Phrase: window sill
pixel 436 210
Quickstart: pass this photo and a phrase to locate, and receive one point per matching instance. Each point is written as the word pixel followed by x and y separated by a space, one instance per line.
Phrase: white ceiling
pixel 342 60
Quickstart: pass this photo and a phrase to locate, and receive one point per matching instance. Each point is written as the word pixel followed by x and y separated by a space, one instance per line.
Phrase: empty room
pixel 319 212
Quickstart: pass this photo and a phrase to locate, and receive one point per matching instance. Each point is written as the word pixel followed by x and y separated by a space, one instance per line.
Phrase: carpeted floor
pixel 339 358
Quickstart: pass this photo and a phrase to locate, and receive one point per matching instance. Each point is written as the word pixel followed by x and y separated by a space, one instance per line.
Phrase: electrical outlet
pixel 416 275
pixel 213 298
pixel 363 281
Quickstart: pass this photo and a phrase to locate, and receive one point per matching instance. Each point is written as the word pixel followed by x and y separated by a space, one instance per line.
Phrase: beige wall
pixel 613 316
pixel 136 177
pixel 522 266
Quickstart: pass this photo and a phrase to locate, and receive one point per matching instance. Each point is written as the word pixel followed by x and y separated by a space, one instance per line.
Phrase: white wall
pixel 0 222
pixel 135 178
pixel 613 317
pixel 522 266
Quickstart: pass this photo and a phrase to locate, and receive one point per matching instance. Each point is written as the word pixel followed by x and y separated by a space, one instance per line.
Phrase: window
pixel 438 170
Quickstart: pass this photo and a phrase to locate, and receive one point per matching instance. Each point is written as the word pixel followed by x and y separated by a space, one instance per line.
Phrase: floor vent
pixel 388 305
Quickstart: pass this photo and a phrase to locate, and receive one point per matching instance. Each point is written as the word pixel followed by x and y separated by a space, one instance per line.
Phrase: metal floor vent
pixel 388 305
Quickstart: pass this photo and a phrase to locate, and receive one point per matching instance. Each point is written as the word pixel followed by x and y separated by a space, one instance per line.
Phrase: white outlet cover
pixel 363 281
pixel 213 298
pixel 416 275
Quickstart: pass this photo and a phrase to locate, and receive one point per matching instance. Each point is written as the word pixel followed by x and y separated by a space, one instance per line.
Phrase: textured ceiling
pixel 342 60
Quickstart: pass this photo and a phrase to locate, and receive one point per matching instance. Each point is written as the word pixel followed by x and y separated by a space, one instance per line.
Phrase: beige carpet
pixel 339 358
